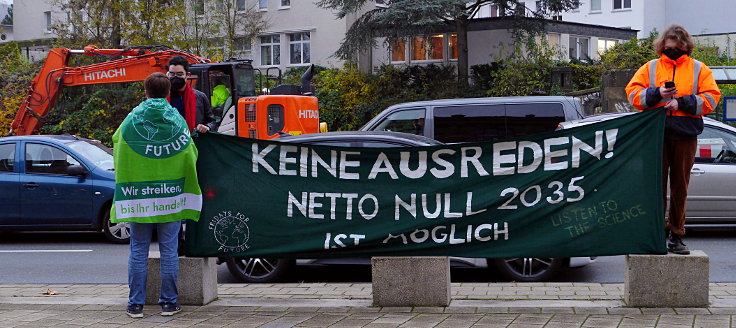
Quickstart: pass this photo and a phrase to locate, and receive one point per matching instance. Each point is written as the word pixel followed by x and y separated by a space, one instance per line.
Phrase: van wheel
pixel 258 270
pixel 528 269
pixel 118 233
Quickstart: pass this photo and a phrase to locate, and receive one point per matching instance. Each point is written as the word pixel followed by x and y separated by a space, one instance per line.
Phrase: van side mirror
pixel 76 170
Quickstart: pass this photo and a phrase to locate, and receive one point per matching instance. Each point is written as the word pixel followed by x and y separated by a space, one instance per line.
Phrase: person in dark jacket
pixel 191 103
pixel 686 89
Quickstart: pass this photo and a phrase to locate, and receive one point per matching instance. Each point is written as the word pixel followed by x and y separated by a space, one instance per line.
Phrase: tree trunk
pixel 461 25
pixel 116 37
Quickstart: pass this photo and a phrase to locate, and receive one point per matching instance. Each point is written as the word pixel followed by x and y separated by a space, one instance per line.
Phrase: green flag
pixel 155 167
pixel 587 191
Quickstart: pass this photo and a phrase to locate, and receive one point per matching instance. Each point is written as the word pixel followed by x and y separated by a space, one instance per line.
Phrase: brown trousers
pixel 678 159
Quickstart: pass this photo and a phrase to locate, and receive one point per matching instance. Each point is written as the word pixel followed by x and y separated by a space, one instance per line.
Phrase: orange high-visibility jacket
pixel 697 92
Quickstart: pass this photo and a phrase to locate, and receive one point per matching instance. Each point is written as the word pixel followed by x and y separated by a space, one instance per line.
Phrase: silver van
pixel 478 119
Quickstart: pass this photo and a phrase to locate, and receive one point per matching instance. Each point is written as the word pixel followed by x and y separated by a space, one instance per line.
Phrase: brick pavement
pixel 349 305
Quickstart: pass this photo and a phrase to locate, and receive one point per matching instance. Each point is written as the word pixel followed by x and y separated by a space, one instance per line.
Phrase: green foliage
pixel 348 98
pixel 630 54
pixel 710 55
pixel 586 76
pixel 415 83
pixel 526 71
pixel 294 74
pixel 344 97
pixel 10 58
pixel 481 75
pixel 93 112
pixel 14 81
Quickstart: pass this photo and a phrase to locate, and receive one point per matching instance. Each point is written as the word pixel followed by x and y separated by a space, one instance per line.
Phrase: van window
pixel 526 119
pixel 408 121
pixel 469 123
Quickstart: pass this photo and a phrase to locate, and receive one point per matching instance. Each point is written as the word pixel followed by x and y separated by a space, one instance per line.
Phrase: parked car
pixel 268 270
pixel 52 183
pixel 711 200
pixel 478 119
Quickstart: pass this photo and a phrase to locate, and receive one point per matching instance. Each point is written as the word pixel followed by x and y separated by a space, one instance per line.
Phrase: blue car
pixel 54 183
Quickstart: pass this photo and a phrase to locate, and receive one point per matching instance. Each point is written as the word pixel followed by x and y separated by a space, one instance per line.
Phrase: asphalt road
pixel 88 258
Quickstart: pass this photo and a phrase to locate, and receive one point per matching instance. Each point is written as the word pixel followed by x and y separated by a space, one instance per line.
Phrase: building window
pixel 520 9
pixel 242 47
pixel 263 4
pixel 553 40
pixel 47 18
pixel 495 12
pixel 423 49
pixel 621 4
pixel 418 48
pixel 398 50
pixel 487 10
pixel 299 48
pixel 199 7
pixel 604 45
pixel 271 50
pixel 240 5
pixel 285 3
pixel 452 43
pixel 595 5
pixel 579 47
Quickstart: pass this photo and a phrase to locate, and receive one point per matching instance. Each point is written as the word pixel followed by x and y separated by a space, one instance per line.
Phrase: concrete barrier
pixel 197 283
pixel 666 281
pixel 411 281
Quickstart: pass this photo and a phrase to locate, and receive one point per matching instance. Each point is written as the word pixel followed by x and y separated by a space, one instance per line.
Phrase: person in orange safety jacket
pixel 693 94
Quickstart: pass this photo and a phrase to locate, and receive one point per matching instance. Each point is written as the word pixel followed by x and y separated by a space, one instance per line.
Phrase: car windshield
pixel 96 153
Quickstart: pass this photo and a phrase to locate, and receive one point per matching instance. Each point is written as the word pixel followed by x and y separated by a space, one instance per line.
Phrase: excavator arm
pixel 137 64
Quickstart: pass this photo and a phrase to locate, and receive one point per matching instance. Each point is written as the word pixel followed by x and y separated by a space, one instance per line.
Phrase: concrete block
pixel 197 283
pixel 411 281
pixel 666 281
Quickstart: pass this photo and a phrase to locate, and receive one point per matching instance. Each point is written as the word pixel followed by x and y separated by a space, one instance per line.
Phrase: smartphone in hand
pixel 669 84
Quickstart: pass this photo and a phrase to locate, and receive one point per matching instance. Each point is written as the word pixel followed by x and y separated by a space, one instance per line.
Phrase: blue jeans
pixel 168 243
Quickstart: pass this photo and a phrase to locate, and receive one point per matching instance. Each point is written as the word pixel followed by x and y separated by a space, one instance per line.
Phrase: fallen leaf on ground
pixel 49 292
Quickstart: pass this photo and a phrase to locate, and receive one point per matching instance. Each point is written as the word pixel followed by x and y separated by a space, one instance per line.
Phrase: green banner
pixel 586 191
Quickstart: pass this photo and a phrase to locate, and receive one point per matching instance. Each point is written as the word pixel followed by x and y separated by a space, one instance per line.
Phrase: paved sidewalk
pixel 349 305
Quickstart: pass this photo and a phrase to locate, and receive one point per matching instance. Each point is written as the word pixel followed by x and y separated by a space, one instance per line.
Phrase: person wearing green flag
pixel 155 188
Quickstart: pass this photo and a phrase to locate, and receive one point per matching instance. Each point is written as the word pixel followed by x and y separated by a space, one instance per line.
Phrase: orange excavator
pixel 288 109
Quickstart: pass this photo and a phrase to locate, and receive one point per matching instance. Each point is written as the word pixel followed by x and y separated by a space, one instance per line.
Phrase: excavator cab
pixel 224 83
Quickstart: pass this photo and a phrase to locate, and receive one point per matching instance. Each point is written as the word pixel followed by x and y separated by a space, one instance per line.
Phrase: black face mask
pixel 176 83
pixel 673 53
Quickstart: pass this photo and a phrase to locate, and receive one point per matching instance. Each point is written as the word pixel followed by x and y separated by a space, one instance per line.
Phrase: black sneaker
pixel 675 245
pixel 135 311
pixel 168 309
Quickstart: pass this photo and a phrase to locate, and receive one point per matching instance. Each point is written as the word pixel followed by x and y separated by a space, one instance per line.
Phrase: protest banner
pixel 588 191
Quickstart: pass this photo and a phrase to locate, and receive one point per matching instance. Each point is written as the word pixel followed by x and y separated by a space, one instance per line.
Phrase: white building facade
pixel 698 17
pixel 298 33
